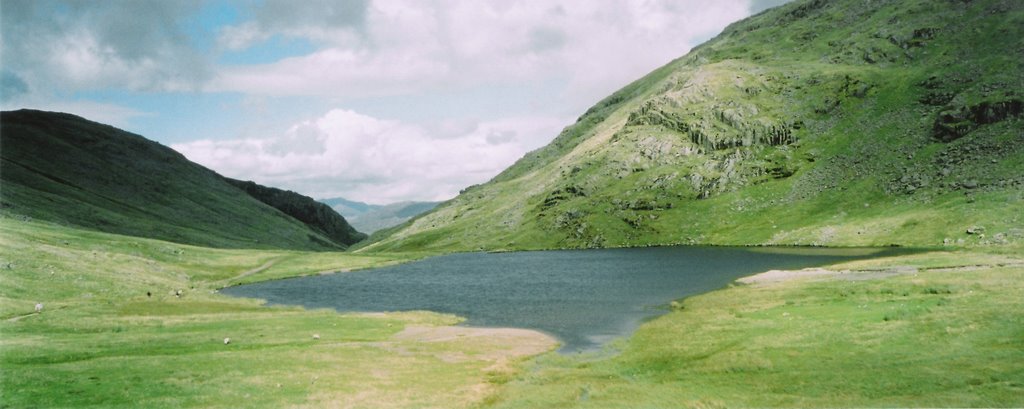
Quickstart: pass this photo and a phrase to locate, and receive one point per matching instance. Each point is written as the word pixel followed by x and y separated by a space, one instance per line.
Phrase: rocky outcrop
pixel 722 128
pixel 954 122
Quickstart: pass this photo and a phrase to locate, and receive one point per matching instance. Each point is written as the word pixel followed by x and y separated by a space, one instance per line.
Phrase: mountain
pixel 315 215
pixel 349 208
pixel 841 123
pixel 381 217
pixel 66 169
pixel 370 218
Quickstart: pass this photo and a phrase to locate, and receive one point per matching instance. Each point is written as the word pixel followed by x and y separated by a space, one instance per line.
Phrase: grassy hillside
pixel 69 170
pixel 317 216
pixel 816 123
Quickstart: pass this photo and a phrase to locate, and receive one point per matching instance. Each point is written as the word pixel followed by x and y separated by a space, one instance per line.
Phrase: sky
pixel 376 101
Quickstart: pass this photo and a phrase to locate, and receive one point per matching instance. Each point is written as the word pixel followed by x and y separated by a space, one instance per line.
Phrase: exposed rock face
pixel 312 213
pixel 956 121
pixel 709 134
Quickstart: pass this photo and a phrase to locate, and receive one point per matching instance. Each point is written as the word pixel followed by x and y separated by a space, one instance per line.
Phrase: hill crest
pixel 67 169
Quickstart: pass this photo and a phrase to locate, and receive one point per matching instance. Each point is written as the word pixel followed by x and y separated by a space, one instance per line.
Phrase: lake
pixel 584 297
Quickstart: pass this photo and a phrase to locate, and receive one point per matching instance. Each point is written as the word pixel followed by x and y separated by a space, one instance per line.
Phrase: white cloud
pixel 407 46
pixel 344 153
pixel 364 48
pixel 242 36
pixel 59 47
pixel 334 72
pixel 322 20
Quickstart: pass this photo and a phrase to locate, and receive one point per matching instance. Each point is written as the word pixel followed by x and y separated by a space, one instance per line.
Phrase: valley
pixel 820 206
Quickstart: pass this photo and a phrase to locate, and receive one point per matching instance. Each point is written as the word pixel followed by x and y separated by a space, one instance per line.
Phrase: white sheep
pixel 316 336
pixel 227 341
pixel 39 308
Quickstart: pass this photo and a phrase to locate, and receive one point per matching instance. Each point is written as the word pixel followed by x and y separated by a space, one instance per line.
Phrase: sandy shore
pixel 506 343
pixel 774 276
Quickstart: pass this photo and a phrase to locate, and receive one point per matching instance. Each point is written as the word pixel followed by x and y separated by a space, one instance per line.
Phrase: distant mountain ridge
pixel 369 218
pixel 390 215
pixel 838 123
pixel 349 208
pixel 66 169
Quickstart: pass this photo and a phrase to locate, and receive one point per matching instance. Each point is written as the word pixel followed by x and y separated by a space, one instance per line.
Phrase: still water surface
pixel 583 297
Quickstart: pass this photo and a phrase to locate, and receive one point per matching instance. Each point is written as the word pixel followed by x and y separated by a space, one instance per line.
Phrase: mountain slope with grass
pixel 317 216
pixel 66 169
pixel 843 123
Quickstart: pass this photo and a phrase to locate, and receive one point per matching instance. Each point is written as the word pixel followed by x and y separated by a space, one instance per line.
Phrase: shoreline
pixel 777 276
pixel 437 333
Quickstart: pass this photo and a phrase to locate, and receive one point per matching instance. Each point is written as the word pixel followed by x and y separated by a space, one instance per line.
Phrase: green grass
pixel 101 341
pixel 931 339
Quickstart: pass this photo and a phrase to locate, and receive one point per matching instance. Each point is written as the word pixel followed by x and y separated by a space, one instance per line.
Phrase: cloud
pixel 345 153
pixel 65 46
pixel 409 46
pixel 361 48
pixel 335 72
pixel 365 48
pixel 546 38
pixel 500 137
pixel 321 20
